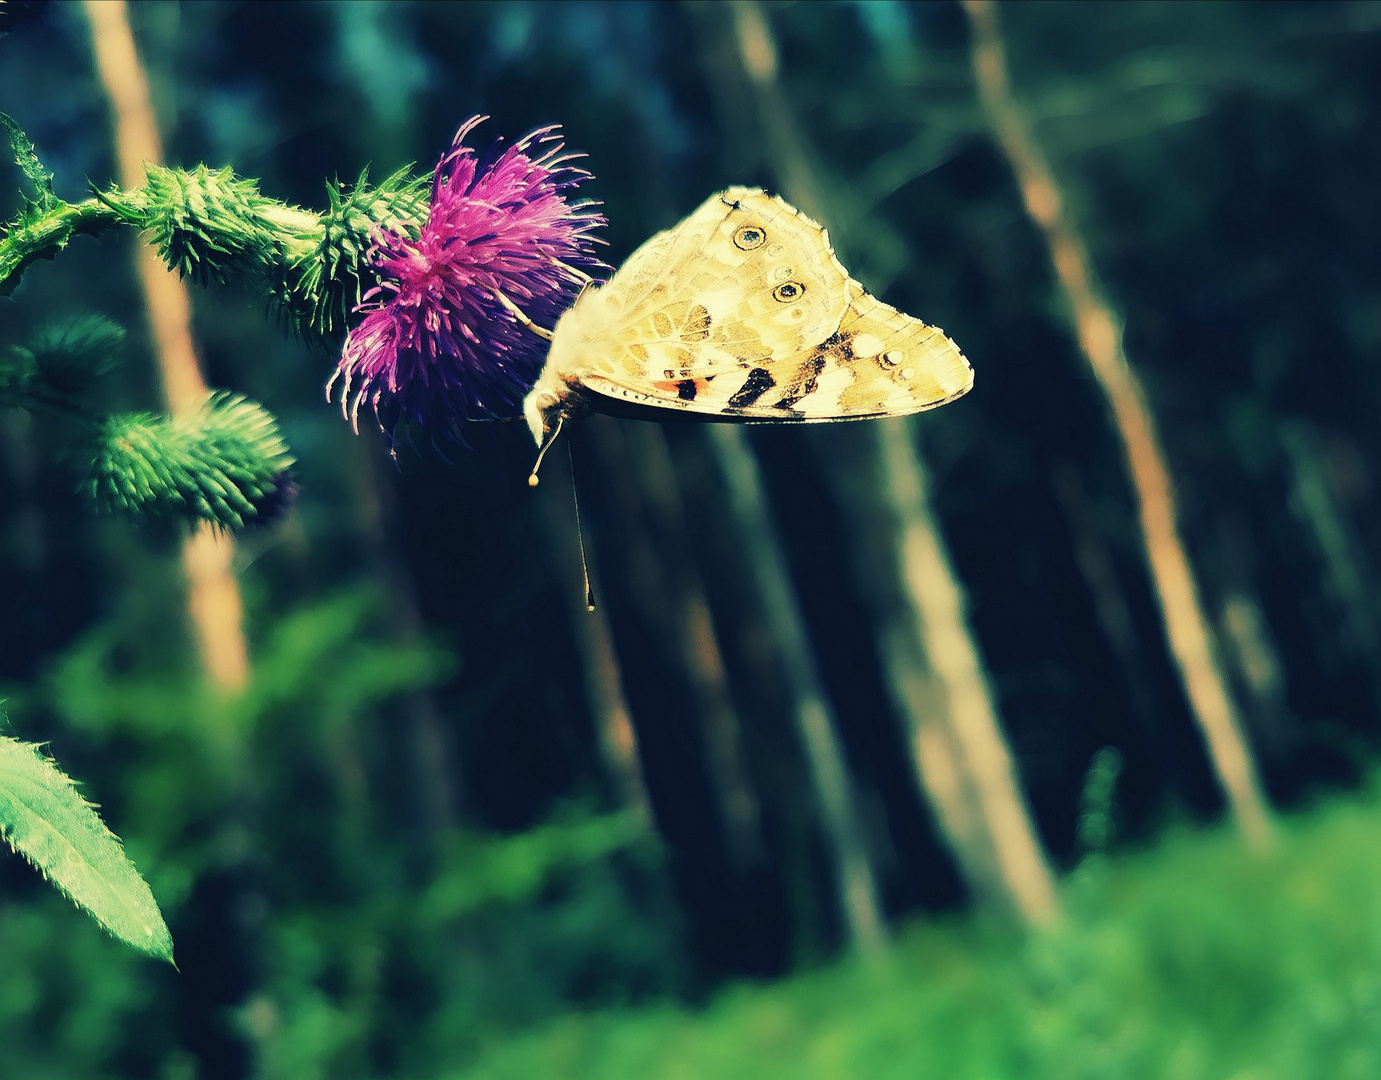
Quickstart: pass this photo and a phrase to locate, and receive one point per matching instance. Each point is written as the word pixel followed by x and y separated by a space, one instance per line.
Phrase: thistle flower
pixel 443 338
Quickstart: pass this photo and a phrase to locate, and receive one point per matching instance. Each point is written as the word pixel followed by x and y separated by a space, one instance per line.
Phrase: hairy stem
pixel 43 237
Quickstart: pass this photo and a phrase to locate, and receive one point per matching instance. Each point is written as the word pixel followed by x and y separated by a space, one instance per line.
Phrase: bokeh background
pixel 451 824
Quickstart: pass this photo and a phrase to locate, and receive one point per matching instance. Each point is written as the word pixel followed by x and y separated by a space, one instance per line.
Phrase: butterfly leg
pixel 521 316
pixel 584 278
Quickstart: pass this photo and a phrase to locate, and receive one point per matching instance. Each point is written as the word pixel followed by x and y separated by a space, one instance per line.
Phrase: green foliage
pixel 485 870
pixel 26 157
pixel 56 370
pixel 226 463
pixel 57 1026
pixel 46 820
pixel 1193 960
pixel 376 936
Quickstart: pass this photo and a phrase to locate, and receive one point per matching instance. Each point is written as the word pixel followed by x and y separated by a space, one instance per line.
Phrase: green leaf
pixel 27 160
pixel 45 819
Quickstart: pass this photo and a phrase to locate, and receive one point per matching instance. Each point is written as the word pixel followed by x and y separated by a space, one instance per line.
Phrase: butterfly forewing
pixel 649 268
pixel 744 278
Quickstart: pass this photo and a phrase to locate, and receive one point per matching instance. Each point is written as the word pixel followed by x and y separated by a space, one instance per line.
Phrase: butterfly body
pixel 742 313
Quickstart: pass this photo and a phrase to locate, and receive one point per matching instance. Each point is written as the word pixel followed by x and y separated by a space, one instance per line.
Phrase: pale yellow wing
pixel 879 362
pixel 661 263
pixel 742 280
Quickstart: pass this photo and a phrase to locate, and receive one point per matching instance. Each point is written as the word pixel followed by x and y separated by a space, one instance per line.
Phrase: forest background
pixel 913 726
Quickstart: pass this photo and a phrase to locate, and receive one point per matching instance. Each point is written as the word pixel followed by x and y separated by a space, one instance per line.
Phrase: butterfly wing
pixel 742 280
pixel 696 252
pixel 879 362
pixel 742 311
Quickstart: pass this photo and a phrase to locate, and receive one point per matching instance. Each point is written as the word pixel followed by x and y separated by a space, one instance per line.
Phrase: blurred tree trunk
pixel 1098 335
pixel 814 719
pixel 935 675
pixel 213 595
pixel 934 667
pixel 962 737
pixel 435 784
pixel 650 547
pixel 618 742
pixel 1347 573
pixel 1248 647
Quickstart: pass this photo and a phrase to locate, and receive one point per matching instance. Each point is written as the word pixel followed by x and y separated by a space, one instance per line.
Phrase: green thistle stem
pixel 211 225
pixel 47 233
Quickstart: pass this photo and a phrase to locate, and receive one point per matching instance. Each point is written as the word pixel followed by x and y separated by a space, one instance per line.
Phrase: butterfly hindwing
pixel 879 362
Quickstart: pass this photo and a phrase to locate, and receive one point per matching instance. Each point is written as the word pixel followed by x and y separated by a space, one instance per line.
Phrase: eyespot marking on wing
pixel 750 237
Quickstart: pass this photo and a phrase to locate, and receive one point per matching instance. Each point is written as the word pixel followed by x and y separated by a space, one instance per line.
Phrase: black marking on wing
pixel 685 389
pixel 807 375
pixel 759 381
pixel 840 345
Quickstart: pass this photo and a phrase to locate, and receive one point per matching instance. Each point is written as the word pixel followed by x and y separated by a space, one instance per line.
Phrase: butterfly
pixel 741 312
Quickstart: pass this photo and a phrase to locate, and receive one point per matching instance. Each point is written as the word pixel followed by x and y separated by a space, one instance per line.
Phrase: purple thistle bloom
pixel 440 343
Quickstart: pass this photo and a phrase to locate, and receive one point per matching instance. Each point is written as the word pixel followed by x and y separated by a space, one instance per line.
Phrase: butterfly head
pixel 544 409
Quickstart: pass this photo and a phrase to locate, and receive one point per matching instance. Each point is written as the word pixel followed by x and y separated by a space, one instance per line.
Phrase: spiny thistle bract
pixel 207 224
pixel 227 463
pixel 212 226
pixel 319 284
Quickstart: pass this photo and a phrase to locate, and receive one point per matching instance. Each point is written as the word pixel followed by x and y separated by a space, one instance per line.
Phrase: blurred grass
pixel 1190 960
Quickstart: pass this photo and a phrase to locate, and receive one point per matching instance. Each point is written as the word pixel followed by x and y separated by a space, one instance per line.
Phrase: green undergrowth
pixel 1193 959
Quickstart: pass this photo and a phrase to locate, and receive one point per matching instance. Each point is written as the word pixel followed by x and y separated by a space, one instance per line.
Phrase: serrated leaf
pixel 45 819
pixel 27 159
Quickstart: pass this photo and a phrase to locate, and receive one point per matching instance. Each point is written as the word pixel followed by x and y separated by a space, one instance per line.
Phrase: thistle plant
pixel 448 272
pixel 428 287
pixel 225 463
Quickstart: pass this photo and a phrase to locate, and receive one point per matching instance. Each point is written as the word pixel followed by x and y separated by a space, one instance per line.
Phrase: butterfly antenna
pixel 546 445
pixel 580 534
